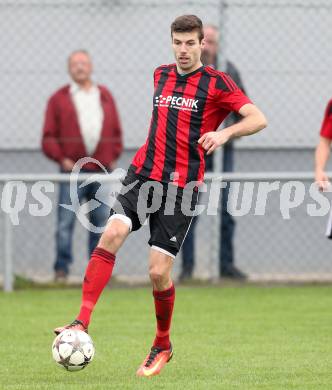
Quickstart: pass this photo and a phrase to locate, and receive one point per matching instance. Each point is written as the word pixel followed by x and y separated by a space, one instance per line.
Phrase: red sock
pixel 97 274
pixel 164 303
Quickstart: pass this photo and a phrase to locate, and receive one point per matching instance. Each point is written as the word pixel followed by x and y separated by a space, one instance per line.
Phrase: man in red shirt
pixel 81 120
pixel 189 103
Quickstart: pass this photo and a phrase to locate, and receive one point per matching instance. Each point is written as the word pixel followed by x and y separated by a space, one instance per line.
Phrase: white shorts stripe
pixel 328 232
pixel 164 251
pixel 122 218
pixel 186 232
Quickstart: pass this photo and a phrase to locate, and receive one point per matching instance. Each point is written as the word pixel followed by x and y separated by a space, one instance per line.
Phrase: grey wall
pixel 127 41
pixel 280 47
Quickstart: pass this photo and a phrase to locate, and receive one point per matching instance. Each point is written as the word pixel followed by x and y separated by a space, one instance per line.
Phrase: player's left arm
pixel 253 120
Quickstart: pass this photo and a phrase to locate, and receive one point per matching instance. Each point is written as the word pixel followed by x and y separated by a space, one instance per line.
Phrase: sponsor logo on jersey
pixel 177 102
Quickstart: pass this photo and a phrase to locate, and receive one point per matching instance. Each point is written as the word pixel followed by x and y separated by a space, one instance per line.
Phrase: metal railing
pixel 56 178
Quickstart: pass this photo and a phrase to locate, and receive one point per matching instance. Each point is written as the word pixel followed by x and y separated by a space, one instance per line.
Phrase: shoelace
pixel 76 322
pixel 154 352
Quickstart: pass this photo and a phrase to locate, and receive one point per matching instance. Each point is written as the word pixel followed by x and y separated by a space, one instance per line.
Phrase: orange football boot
pixel 155 361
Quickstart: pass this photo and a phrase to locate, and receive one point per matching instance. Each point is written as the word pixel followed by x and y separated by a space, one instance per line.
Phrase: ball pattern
pixel 73 349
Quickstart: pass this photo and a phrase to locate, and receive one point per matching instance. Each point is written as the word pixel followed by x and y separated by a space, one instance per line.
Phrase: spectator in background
pixel 323 150
pixel 227 224
pixel 81 120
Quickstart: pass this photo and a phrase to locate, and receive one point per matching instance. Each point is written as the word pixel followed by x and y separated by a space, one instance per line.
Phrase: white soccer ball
pixel 73 349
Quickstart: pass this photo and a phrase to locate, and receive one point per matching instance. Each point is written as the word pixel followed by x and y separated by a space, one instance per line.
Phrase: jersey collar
pixel 186 75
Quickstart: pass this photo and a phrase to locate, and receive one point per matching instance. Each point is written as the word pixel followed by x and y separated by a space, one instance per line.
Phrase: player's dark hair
pixel 188 23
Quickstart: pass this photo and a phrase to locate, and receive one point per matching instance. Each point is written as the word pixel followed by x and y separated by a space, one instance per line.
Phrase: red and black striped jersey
pixel 184 108
pixel 326 129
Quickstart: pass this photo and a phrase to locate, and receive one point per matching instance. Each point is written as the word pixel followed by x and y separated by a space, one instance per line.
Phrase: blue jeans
pixel 227 226
pixel 66 221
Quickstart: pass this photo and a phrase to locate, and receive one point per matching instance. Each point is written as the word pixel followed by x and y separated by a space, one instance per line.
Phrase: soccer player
pixel 323 149
pixel 190 101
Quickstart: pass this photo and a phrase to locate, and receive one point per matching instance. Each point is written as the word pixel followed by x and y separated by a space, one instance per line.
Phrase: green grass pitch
pixel 246 337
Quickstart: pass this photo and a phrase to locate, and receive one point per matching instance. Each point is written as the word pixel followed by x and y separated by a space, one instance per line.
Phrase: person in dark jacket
pixel 81 120
pixel 227 224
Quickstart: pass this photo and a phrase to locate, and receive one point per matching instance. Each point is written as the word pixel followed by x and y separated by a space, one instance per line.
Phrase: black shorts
pixel 169 208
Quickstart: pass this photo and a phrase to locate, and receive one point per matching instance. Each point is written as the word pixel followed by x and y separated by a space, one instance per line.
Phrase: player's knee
pixel 157 276
pixel 112 234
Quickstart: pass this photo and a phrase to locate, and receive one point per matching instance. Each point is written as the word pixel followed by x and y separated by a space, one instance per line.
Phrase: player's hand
pixel 212 140
pixel 67 164
pixel 322 181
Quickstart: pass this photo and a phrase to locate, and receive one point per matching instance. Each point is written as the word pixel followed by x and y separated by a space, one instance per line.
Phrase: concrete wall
pixel 280 48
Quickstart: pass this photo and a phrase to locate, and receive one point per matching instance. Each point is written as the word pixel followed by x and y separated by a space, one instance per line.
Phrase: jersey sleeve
pixel 228 95
pixel 155 77
pixel 157 72
pixel 326 129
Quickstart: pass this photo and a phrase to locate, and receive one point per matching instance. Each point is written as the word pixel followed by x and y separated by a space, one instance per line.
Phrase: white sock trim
pixel 164 251
pixel 122 218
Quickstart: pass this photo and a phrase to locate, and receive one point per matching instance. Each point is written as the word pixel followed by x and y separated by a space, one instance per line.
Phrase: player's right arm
pixel 322 154
pixel 253 120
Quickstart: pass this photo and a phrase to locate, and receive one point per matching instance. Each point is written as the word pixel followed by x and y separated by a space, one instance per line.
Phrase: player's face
pixel 210 45
pixel 80 67
pixel 187 50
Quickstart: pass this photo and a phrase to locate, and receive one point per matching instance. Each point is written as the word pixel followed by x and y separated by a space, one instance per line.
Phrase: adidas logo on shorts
pixel 173 239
